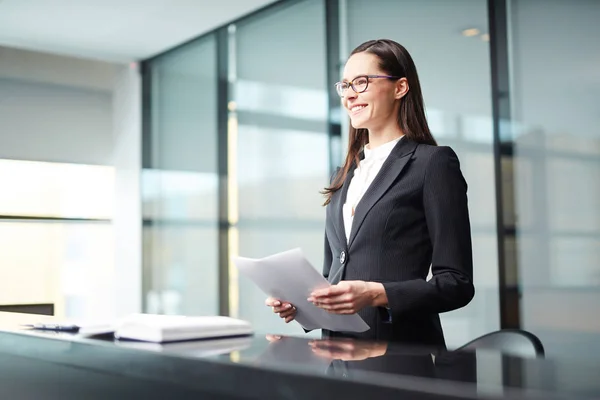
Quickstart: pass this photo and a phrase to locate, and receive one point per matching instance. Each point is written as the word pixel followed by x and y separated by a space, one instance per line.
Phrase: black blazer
pixel 413 216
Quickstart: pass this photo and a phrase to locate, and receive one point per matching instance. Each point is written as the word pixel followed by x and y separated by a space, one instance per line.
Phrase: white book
pixel 171 328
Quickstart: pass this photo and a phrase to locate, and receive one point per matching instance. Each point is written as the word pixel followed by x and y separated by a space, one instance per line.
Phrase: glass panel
pixel 557 170
pixel 456 89
pixel 180 184
pixel 42 189
pixel 184 280
pixel 272 185
pixel 282 144
pixel 68 264
pixel 179 195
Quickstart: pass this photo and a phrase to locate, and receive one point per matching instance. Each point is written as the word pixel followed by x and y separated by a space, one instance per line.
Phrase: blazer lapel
pixel 337 205
pixel 388 174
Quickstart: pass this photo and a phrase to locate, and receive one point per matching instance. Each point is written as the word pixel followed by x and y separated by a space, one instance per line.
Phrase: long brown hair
pixel 394 60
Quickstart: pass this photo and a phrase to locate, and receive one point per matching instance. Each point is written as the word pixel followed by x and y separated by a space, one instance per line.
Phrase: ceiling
pixel 113 30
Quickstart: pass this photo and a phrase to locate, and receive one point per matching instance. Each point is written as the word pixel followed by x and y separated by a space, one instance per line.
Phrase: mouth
pixel 357 108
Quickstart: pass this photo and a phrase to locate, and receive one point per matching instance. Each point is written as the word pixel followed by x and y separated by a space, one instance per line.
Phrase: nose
pixel 350 94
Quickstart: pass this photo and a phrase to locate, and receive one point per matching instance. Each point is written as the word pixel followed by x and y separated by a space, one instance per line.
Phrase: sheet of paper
pixel 290 277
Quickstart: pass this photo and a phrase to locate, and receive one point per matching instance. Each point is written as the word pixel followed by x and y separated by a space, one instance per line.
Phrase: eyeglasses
pixel 360 83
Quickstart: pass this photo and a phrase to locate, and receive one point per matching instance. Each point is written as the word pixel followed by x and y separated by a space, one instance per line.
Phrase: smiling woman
pixel 397 206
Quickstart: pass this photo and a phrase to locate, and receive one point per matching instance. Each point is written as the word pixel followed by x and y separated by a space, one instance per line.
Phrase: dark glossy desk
pixel 36 365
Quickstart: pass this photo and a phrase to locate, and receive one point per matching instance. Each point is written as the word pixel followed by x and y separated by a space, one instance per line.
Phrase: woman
pixel 397 207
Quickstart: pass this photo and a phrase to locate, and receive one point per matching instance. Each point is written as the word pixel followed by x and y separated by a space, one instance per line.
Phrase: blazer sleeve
pixel 446 213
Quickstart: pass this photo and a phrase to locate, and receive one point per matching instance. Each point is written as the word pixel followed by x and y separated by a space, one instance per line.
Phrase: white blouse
pixel 364 174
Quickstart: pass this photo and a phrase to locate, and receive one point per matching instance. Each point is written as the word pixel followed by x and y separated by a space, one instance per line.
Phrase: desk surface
pixel 50 364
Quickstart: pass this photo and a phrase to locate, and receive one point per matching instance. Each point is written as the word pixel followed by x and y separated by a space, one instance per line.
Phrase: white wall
pixel 55 108
pixel 69 110
pixel 127 212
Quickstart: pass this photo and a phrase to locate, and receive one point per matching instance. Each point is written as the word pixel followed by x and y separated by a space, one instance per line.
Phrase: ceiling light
pixel 485 37
pixel 470 32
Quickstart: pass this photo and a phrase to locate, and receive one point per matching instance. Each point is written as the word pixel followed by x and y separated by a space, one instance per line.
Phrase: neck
pixel 377 137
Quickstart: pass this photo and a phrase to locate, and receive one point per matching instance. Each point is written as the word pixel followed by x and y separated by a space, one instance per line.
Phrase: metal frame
pixel 332 46
pixel 222 58
pixel 30 218
pixel 498 28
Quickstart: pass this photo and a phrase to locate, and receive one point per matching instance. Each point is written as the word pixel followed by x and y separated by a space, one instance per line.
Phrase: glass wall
pixel 282 152
pixel 555 82
pixel 451 52
pixel 180 183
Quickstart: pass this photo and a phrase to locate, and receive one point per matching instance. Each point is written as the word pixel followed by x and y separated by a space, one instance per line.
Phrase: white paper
pixel 290 277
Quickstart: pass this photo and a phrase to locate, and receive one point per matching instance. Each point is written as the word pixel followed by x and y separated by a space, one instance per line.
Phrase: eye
pixel 361 81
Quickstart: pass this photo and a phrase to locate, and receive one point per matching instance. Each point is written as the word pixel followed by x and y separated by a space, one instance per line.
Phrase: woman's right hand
pixel 285 310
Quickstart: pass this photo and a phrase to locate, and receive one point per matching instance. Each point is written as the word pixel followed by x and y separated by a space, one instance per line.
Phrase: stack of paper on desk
pixel 170 328
pixel 290 277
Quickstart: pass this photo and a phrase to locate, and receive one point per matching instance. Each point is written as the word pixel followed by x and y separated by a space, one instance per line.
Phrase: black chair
pixel 513 342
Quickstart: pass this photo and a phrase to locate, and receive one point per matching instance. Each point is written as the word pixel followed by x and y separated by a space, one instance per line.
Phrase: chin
pixel 360 124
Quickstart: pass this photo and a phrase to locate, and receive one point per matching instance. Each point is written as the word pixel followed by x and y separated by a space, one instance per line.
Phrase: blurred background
pixel 144 143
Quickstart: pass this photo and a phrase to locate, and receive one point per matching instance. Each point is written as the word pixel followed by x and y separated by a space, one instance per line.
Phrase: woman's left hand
pixel 349 297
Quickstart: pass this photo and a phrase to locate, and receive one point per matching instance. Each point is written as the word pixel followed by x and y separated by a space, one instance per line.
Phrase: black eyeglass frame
pixel 341 87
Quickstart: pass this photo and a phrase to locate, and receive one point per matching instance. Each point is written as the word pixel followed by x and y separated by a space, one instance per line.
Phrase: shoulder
pixel 334 175
pixel 440 166
pixel 435 153
pixel 431 158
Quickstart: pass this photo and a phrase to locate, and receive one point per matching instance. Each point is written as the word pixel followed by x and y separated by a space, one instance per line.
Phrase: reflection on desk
pixel 276 367
pixel 192 348
pixel 351 359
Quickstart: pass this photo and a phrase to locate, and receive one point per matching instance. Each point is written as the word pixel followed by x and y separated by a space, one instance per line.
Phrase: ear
pixel 401 88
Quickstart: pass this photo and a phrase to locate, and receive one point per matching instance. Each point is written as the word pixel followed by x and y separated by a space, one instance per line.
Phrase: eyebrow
pixel 349 80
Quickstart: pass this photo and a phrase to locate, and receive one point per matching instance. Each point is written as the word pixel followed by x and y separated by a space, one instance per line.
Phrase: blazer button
pixel 342 257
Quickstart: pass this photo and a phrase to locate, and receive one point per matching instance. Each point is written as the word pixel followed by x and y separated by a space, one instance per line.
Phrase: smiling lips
pixel 357 108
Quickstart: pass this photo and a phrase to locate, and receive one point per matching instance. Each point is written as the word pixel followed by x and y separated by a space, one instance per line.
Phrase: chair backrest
pixel 514 342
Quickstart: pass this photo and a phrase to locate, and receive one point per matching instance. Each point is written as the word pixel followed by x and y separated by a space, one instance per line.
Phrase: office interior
pixel 142 145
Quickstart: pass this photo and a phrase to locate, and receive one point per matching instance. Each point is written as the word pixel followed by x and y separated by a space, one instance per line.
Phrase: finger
pixel 290 310
pixel 334 353
pixel 273 338
pixel 283 308
pixel 287 313
pixel 337 299
pixel 337 306
pixel 272 302
pixel 334 290
pixel 322 353
pixel 320 343
pixel 336 346
pixel 289 319
pixel 345 309
pixel 342 312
